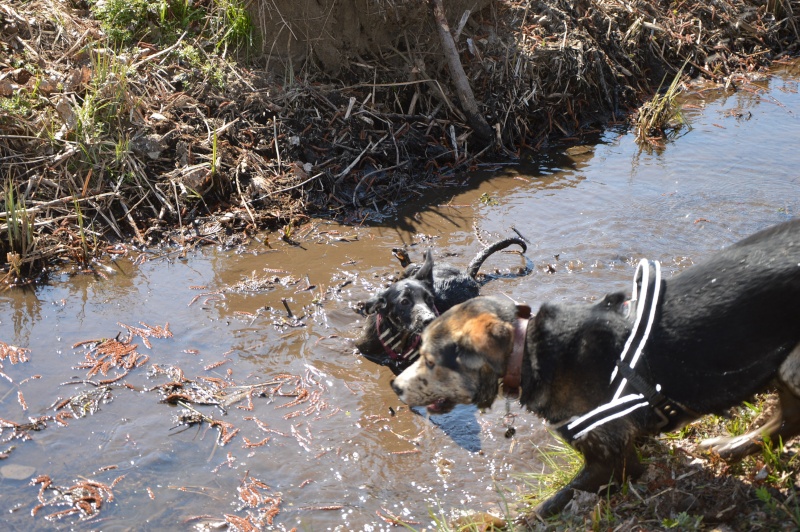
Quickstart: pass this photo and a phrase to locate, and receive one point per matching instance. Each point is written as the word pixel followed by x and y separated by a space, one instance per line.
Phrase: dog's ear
pixel 425 272
pixel 597 343
pixel 546 312
pixel 487 340
pixel 488 388
pixel 401 254
pixel 613 301
pixel 375 304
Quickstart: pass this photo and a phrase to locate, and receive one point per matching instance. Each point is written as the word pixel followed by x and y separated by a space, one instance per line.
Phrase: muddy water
pixel 344 454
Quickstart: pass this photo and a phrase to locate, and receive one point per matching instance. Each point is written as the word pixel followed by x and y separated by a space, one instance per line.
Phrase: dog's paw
pixel 528 521
pixel 731 448
pixel 552 506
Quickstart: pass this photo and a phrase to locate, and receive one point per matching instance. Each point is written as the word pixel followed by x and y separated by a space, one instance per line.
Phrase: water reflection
pixel 25 311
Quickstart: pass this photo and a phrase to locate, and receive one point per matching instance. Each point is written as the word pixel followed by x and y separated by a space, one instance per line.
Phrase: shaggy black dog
pixel 397 314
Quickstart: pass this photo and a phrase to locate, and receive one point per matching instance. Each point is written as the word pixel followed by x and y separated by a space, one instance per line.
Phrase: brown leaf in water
pixel 84 498
pixel 14 354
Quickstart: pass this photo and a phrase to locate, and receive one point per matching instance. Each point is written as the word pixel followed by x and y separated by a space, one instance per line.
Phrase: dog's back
pixel 740 308
pixel 452 285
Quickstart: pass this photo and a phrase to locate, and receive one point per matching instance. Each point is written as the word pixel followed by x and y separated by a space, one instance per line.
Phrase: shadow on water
pixel 443 209
pixel 461 425
pixel 301 430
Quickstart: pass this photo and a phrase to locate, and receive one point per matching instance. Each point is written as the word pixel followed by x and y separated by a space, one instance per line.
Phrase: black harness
pixel 632 390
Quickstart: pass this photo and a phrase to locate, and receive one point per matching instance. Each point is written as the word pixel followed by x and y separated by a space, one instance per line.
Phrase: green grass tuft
pixel 660 113
pixel 20 239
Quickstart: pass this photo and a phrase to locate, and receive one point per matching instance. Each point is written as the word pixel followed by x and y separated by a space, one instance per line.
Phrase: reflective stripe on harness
pixel 648 303
pixel 393 342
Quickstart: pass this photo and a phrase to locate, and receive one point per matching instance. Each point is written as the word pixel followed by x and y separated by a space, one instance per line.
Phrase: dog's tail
pixel 478 261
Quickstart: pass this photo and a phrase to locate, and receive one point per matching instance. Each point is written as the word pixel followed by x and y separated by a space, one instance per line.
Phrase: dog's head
pixel 408 303
pixel 463 354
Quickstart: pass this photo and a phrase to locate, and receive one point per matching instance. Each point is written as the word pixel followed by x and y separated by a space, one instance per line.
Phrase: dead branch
pixel 458 76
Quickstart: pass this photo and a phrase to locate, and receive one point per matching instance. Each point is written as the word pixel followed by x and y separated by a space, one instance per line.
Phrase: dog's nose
pixel 422 317
pixel 397 389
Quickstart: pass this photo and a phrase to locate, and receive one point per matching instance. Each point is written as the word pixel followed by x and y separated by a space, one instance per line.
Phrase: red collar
pixel 511 380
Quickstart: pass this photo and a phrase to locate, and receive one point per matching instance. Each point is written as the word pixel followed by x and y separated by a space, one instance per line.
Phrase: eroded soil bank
pixel 183 124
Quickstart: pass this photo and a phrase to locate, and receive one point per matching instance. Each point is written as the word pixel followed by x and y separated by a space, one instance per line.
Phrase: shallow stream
pixel 323 443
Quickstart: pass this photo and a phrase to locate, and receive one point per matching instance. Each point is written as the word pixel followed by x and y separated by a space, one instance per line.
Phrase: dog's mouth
pixel 441 406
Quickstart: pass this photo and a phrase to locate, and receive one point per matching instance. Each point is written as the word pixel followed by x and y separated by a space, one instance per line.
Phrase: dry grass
pixel 156 132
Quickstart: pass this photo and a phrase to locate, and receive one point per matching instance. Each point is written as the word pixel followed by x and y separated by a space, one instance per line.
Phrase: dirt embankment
pixel 189 125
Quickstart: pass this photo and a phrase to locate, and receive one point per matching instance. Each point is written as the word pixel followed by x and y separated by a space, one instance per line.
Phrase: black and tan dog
pixel 397 314
pixel 603 374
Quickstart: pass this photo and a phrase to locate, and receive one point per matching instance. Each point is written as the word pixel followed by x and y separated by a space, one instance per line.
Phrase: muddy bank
pixel 166 128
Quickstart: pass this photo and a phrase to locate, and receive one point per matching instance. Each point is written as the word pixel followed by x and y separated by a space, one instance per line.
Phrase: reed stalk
pixel 656 117
pixel 20 235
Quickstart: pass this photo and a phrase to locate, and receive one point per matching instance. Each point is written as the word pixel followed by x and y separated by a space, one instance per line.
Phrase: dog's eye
pixel 429 363
pixel 405 301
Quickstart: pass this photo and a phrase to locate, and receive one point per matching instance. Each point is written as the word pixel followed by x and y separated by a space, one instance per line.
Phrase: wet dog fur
pixel 725 329
pixel 423 291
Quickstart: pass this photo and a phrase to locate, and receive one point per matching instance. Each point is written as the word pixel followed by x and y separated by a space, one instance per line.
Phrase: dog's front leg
pixel 553 505
pixel 603 466
pixel 590 478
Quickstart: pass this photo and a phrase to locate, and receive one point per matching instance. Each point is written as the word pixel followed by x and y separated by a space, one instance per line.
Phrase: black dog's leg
pixel 598 472
pixel 784 424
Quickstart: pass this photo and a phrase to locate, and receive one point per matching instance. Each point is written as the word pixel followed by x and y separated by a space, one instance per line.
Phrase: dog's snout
pixel 397 389
pixel 422 317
